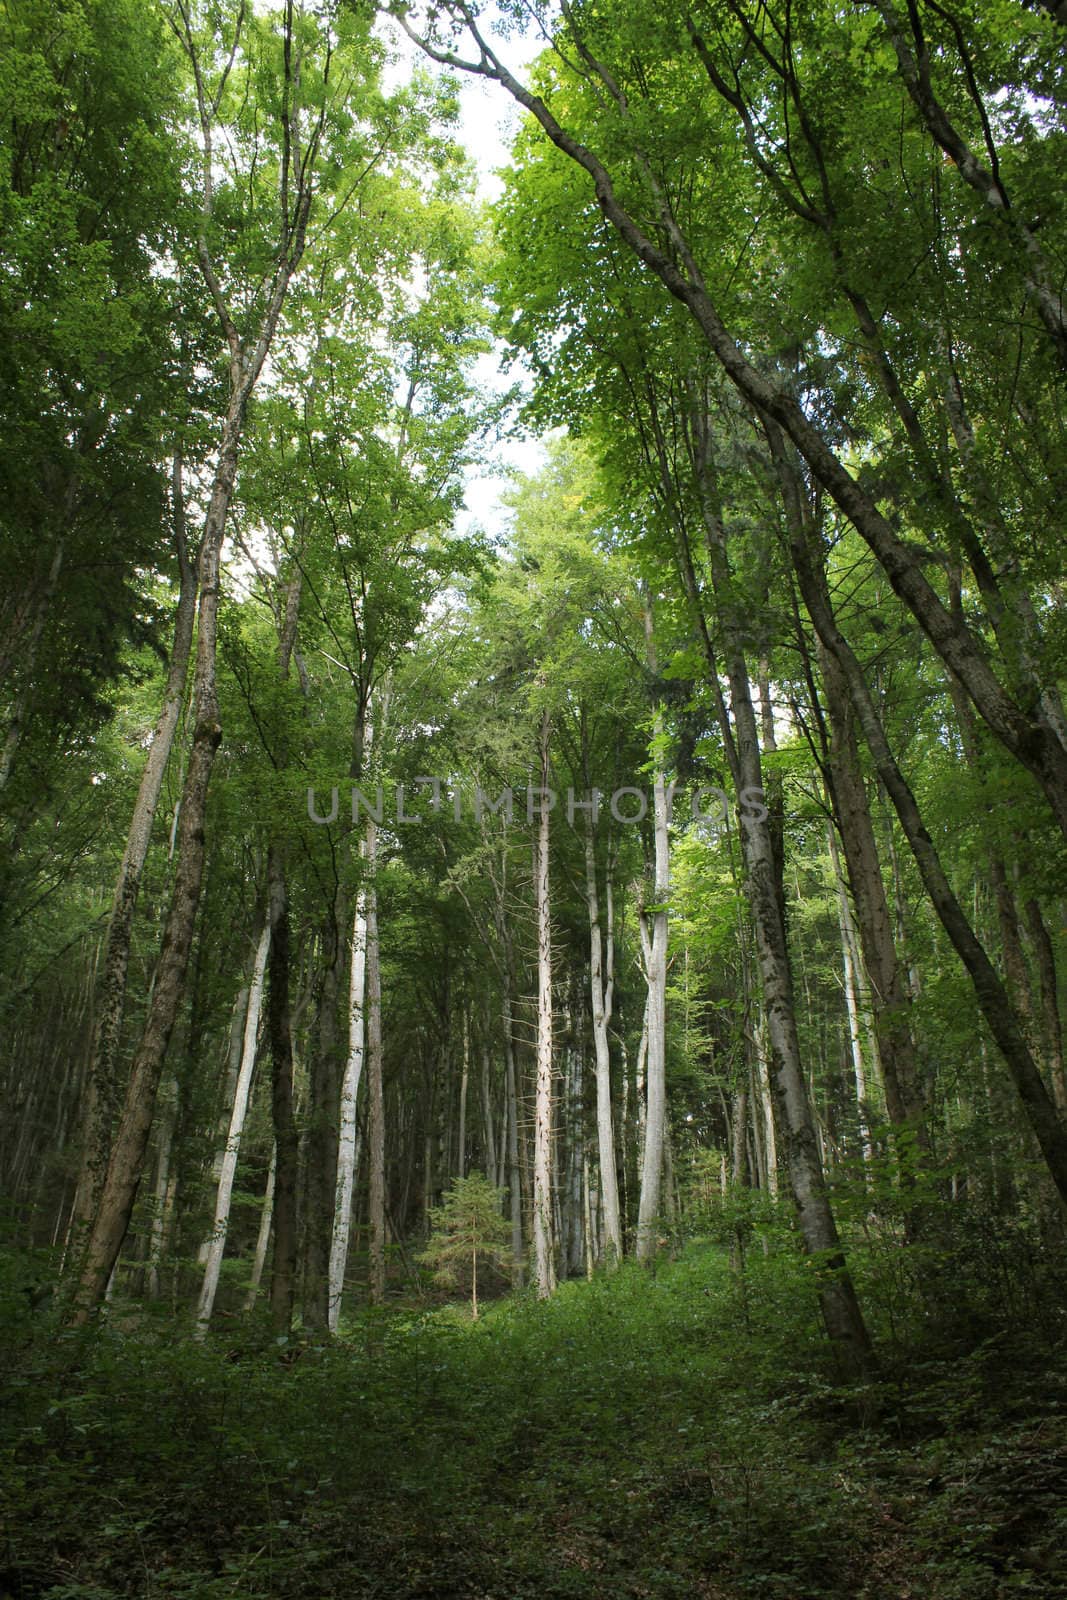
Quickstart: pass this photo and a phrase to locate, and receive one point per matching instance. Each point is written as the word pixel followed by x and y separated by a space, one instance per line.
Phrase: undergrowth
pixel 673 1433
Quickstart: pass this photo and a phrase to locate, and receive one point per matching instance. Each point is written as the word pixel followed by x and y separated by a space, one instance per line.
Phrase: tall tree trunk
pixel 855 998
pixel 266 1218
pixel 992 997
pixel 544 1253
pixel 655 946
pixel 346 1142
pixel 600 987
pixel 286 1141
pixel 220 1225
pixel 322 1131
pixel 375 1096
pixel 465 1072
pixel 890 1000
pixel 796 1126
pixel 166 1183
pixel 1052 1032
pixel 102 1089
pixel 514 1167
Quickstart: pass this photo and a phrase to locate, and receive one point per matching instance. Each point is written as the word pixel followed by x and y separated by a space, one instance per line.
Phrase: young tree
pixel 468 1224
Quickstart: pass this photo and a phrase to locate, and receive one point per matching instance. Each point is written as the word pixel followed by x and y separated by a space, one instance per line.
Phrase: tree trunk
pixel 266 1217
pixel 544 1255
pixel 346 1142
pixel 601 996
pixel 322 1132
pixel 851 982
pixel 763 862
pixel 514 1167
pixel 993 1000
pixel 465 1071
pixel 164 1192
pixel 286 1141
pixel 375 1092
pixel 656 1011
pixel 890 1000
pixel 217 1239
pixel 1052 1032
pixel 102 1089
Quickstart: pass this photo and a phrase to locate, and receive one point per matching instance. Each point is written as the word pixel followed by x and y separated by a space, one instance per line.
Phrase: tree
pixel 467 1224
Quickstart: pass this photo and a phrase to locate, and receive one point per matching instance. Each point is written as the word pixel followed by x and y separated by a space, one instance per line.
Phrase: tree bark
pixel 322 1132
pixel 600 988
pixel 286 1141
pixel 656 1012
pixel 228 1171
pixel 375 1091
pixel 119 1189
pixel 544 1249
pixel 101 1087
pixel 346 1142
pixel 796 1127
pixel 266 1217
pixel 992 997
pixel 890 1001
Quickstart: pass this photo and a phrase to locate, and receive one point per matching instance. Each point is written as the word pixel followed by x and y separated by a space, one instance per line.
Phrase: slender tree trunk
pixel 375 1097
pixel 889 994
pixel 164 1191
pixel 493 1138
pixel 102 1089
pixel 796 1125
pixel 544 1254
pixel 286 1141
pixel 465 1069
pixel 853 1002
pixel 266 1217
pixel 322 1132
pixel 220 1225
pixel 993 1000
pixel 656 1010
pixel 601 996
pixel 514 1166
pixel 346 1143
pixel 238 1018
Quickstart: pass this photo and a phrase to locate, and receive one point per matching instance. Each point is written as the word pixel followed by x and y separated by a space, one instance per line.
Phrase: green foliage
pixel 635 1437
pixel 466 1229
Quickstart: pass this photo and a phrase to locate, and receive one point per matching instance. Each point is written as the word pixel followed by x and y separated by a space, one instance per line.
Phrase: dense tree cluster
pixel 689 848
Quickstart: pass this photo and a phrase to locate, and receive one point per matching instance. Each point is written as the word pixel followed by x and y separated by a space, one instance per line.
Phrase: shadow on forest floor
pixel 648 1435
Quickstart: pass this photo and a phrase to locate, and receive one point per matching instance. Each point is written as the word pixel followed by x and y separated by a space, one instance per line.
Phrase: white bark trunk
pixel 217 1241
pixel 347 1135
pixel 655 1068
pixel 544 1262
pixel 602 1002
pixel 851 979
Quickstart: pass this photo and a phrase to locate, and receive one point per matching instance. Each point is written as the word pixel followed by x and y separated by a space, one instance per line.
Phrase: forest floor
pixel 668 1434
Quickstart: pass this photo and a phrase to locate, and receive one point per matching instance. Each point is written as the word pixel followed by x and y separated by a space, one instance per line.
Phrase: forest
pixel 532 1019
